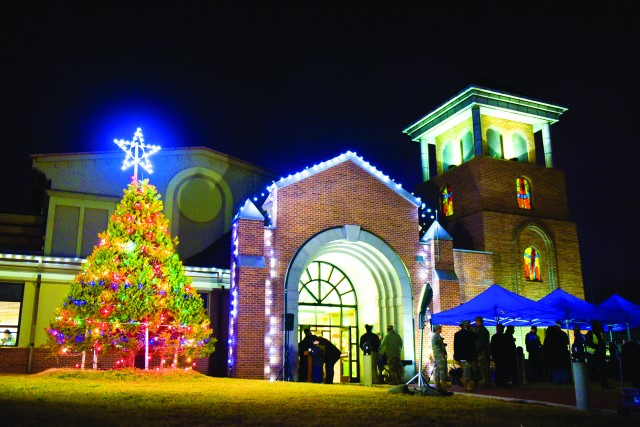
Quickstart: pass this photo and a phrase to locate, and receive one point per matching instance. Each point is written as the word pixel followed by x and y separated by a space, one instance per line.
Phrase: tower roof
pixel 435 231
pixel 249 211
pixel 492 103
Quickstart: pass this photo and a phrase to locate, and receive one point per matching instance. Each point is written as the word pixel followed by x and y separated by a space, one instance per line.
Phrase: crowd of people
pixel 484 360
pixel 318 356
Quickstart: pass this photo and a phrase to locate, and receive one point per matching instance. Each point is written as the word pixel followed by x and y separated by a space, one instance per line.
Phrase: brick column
pixel 247 323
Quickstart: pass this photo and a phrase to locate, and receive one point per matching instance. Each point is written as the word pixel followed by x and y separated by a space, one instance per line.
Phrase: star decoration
pixel 137 153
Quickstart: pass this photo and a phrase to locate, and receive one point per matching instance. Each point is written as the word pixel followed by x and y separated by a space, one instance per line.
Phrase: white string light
pixel 137 153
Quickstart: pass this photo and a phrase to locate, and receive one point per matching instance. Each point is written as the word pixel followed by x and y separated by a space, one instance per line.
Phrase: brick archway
pixel 343 211
pixel 386 273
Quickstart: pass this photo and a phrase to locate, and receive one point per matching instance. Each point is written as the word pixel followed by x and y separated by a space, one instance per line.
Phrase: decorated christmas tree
pixel 132 293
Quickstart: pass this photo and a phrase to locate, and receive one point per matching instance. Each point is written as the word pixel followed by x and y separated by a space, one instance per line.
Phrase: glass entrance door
pixel 345 338
pixel 328 305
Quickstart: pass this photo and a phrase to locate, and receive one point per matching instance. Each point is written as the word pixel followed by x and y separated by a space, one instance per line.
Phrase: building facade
pixel 335 246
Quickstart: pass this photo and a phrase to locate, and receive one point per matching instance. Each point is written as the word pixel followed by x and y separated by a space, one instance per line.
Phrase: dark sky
pixel 288 88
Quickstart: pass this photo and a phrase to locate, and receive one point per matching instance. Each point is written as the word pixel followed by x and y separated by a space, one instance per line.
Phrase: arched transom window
pixel 494 144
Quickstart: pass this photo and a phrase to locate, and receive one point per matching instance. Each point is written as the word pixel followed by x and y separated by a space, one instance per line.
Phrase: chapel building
pixel 334 247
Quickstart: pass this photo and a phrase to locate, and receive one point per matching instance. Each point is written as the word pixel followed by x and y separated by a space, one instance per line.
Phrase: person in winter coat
pixel 330 355
pixel 464 352
pixel 533 346
pixel 556 353
pixel 369 344
pixel 595 348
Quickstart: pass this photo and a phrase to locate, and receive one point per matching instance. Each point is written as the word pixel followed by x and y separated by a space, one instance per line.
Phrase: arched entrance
pixel 328 305
pixel 368 276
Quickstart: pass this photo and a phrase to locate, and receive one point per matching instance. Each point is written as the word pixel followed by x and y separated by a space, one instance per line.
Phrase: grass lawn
pixel 187 398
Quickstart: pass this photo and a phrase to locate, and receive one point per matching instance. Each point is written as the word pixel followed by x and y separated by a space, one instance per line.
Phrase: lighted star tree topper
pixel 138 153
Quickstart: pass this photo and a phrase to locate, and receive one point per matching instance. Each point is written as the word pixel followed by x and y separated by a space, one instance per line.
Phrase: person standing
pixel 556 353
pixel 521 370
pixel 483 349
pixel 596 352
pixel 330 355
pixel 369 344
pixel 511 355
pixel 464 352
pixel 534 349
pixel 630 358
pixel 7 339
pixel 391 347
pixel 498 356
pixel 439 348
pixel 577 348
pixel 305 352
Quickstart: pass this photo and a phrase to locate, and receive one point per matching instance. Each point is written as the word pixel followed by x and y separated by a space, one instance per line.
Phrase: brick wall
pixel 16 361
pixel 487 218
pixel 343 194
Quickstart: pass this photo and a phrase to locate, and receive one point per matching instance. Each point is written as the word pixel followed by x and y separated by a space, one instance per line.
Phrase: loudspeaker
pixel 425 299
pixel 288 322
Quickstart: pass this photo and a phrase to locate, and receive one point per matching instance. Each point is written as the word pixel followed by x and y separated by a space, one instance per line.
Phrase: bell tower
pixel 487 163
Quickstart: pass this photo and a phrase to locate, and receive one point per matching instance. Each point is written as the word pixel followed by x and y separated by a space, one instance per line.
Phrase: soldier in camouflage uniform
pixel 481 369
pixel 439 348
pixel 391 346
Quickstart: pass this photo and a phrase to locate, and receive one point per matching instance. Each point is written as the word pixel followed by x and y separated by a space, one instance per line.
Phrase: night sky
pixel 288 88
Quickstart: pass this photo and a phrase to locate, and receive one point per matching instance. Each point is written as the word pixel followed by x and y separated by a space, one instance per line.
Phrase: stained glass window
pixel 532 264
pixel 446 200
pixel 523 193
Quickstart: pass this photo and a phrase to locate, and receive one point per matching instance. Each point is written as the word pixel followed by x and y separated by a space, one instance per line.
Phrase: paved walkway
pixel 609 400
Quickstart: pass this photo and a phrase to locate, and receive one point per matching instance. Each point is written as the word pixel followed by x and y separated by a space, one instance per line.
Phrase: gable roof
pixel 344 157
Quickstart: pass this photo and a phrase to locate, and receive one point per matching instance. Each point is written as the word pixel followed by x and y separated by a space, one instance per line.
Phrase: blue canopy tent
pixel 496 305
pixel 620 313
pixel 571 310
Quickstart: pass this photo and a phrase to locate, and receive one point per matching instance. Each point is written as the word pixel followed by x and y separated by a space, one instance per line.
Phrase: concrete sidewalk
pixel 608 400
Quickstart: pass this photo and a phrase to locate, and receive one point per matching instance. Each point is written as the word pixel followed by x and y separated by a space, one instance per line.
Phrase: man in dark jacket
pixel 510 354
pixel 369 344
pixel 498 356
pixel 556 353
pixel 331 354
pixel 305 351
pixel 534 348
pixel 464 352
